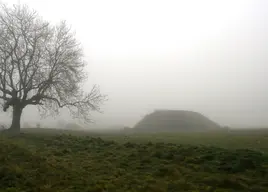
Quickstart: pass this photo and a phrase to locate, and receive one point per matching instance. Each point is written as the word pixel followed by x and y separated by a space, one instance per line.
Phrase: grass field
pixel 236 139
pixel 65 161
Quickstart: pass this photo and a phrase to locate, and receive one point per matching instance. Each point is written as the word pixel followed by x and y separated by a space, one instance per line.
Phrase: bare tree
pixel 41 65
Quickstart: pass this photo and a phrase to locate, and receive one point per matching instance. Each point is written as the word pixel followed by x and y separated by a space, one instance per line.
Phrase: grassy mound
pixel 174 120
pixel 68 163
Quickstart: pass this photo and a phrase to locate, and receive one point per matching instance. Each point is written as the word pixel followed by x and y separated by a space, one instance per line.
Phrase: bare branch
pixel 42 65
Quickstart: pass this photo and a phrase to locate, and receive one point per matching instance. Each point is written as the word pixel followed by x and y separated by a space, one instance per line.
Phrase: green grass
pixel 235 139
pixel 49 160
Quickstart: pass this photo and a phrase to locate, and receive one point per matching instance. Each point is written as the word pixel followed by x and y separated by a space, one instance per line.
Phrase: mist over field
pixel 205 56
pixel 176 96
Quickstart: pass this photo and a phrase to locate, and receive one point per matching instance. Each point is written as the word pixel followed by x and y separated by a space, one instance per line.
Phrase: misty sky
pixel 208 56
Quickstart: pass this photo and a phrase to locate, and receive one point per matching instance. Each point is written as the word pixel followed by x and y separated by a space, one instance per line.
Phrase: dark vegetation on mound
pixel 67 163
pixel 175 120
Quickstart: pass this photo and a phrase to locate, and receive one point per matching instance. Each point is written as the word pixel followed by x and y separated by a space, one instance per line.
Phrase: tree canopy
pixel 42 65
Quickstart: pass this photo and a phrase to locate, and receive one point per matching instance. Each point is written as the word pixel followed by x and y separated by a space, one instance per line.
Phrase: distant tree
pixel 2 127
pixel 41 65
pixel 38 125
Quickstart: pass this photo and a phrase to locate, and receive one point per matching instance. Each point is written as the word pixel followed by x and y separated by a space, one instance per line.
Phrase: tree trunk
pixel 15 126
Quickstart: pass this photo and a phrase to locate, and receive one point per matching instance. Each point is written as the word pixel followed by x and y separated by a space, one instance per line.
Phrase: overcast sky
pixel 208 56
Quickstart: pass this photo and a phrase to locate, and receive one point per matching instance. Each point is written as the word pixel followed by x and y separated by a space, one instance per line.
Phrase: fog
pixel 207 56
